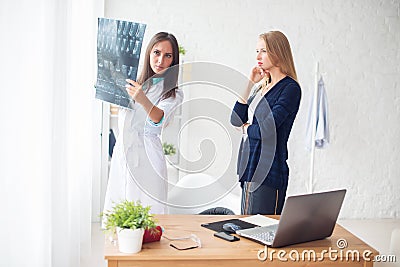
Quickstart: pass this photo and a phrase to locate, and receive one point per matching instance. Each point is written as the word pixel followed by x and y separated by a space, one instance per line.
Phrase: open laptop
pixel 304 218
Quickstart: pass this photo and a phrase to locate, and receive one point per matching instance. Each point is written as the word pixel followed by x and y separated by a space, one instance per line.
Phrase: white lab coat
pixel 138 169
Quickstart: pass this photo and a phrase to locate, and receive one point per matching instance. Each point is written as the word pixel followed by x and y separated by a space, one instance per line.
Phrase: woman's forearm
pixel 155 114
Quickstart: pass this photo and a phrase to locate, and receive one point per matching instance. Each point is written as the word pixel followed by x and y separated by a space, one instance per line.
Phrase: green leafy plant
pixel 169 149
pixel 182 50
pixel 129 215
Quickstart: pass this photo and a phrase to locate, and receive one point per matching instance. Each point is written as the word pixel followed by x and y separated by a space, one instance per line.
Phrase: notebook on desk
pixel 304 218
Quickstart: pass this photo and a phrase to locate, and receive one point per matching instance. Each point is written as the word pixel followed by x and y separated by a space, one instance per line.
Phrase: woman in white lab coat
pixel 138 169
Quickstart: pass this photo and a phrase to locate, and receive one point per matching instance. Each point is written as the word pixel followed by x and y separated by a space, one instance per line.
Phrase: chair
pixel 190 195
pixel 217 211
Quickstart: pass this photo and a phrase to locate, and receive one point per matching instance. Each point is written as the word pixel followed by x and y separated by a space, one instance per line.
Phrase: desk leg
pixel 112 263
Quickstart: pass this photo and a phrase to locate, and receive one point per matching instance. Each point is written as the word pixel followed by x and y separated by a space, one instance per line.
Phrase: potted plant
pixel 169 149
pixel 182 50
pixel 128 220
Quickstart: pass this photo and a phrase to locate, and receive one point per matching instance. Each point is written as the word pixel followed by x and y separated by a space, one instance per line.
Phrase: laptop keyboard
pixel 264 234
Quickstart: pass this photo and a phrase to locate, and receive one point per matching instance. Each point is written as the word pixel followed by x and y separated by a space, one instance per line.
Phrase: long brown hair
pixel 171 74
pixel 278 49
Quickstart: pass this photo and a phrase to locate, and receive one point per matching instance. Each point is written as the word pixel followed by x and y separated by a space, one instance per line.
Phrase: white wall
pixel 357 46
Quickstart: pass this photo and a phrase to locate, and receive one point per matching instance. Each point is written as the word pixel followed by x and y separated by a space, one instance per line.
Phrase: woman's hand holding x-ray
pixel 134 89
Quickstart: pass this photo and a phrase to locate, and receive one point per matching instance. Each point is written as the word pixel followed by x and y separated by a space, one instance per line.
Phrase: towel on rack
pixel 321 123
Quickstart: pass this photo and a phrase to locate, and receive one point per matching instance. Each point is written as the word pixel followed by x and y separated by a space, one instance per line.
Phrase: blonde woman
pixel 266 111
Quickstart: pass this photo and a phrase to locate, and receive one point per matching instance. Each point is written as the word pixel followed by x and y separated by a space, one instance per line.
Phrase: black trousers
pixel 264 200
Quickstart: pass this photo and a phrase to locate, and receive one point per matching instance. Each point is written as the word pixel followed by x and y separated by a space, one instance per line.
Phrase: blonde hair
pixel 279 52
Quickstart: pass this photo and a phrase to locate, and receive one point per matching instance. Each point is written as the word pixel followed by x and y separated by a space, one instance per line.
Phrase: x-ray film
pixel 118 50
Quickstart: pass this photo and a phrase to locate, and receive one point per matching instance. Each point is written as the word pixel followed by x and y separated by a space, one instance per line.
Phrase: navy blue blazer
pixel 263 154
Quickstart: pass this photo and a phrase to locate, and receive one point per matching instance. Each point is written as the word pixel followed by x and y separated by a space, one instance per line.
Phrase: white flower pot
pixel 130 241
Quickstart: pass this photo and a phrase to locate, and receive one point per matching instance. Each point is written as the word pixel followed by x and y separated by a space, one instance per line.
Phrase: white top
pixel 253 105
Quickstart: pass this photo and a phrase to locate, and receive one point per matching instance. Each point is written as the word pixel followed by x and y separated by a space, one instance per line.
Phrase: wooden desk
pixel 218 252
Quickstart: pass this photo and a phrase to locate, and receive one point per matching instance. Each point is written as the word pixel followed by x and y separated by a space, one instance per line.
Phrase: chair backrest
pixel 197 192
pixel 217 211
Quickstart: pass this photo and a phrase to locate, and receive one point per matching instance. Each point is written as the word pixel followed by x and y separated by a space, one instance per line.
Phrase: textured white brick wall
pixel 357 45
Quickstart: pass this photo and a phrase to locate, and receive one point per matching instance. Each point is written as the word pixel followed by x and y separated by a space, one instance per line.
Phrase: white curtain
pixel 47 68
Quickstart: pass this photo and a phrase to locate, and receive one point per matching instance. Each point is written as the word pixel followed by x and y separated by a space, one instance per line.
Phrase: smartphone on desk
pixel 226 236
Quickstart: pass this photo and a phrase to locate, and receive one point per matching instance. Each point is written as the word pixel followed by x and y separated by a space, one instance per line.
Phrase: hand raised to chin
pixel 257 74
